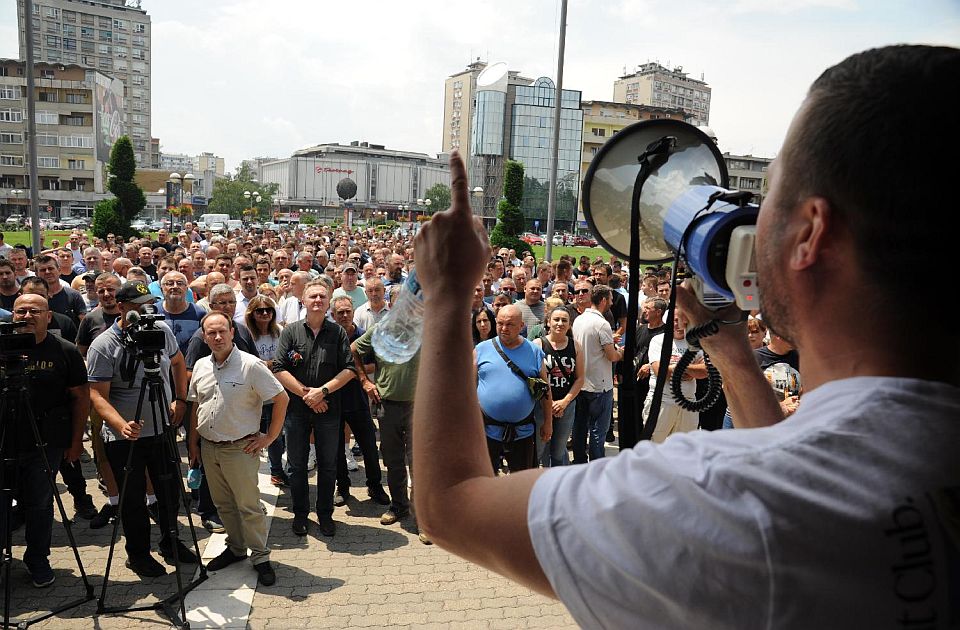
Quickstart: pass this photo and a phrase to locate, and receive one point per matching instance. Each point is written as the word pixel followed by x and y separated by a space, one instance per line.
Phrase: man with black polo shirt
pixel 145 262
pixel 312 362
pixel 63 300
pixel 65 260
pixel 60 399
pixel 163 240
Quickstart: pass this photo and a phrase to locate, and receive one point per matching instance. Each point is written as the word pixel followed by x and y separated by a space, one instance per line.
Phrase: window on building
pixel 45 161
pixel 53 41
pixel 49 183
pixel 72 121
pixel 10 92
pixel 76 142
pixel 44 117
pixel 47 97
pixel 69 43
pixel 79 184
pixel 76 165
pixel 121 24
pixel 11 137
pixel 69 30
pixel 120 51
pixel 70 16
pixel 11 160
pixel 70 57
pixel 105 49
pixel 106 36
pixel 75 98
pixel 139 28
pixel 86 32
pixel 52 12
pixel 46 140
pixel 597 131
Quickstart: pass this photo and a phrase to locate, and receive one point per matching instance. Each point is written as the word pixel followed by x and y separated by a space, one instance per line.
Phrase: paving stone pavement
pixel 368 575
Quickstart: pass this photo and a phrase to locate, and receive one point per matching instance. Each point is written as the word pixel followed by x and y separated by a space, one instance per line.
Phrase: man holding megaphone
pixel 840 515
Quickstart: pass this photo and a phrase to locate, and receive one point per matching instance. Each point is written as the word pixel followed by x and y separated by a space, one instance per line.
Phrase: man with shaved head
pixel 505 399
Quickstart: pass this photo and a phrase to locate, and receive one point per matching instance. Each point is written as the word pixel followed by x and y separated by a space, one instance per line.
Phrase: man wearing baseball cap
pixel 348 285
pixel 114 396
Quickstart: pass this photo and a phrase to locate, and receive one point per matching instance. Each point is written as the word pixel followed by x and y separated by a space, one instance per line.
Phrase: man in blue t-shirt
pixel 182 317
pixel 505 398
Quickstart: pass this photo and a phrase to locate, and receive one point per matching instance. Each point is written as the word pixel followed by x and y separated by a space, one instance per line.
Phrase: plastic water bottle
pixel 194 477
pixel 398 335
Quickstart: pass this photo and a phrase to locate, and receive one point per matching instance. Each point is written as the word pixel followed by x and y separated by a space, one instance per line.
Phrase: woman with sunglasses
pixel 261 320
pixel 564 363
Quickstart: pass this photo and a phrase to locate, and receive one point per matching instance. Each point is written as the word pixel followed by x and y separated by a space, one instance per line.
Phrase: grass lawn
pixel 23 237
pixel 576 252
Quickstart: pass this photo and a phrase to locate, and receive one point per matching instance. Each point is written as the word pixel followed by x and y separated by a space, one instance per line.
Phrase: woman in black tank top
pixel 564 362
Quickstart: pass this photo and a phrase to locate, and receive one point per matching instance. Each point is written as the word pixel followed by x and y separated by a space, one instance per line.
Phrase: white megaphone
pixel 675 177
pixel 656 191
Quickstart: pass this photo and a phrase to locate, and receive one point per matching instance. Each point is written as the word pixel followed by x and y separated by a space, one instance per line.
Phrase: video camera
pixel 15 344
pixel 145 341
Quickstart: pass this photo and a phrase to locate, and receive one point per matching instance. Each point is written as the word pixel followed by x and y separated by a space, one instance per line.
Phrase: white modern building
pixel 387 180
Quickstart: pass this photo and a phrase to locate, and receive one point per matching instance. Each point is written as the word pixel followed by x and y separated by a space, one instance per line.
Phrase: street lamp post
pixel 254 198
pixel 17 193
pixel 405 208
pixel 179 182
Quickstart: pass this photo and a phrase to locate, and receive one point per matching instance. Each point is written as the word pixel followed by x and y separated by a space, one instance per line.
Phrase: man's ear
pixel 811 234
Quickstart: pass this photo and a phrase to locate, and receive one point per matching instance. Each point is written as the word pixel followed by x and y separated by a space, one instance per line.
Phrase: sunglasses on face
pixel 582 291
pixel 263 311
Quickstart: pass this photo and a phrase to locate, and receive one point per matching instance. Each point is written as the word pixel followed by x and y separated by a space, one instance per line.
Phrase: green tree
pixel 114 215
pixel 227 197
pixel 509 225
pixel 308 219
pixel 439 196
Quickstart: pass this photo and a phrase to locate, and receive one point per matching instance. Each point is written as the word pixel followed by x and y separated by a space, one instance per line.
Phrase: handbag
pixel 537 386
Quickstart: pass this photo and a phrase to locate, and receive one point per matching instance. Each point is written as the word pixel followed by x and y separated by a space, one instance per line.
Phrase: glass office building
pixel 531 139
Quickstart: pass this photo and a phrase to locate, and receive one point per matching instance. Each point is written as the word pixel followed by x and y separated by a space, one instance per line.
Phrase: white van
pixel 234 224
pixel 215 222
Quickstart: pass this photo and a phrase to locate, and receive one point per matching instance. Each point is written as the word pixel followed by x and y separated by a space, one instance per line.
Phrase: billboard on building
pixel 108 113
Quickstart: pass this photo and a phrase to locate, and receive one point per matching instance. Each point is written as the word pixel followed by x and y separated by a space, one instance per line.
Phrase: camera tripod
pixel 15 408
pixel 152 385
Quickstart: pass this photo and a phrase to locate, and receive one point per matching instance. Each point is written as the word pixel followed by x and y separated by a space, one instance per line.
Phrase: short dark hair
pixel 31 281
pixel 599 293
pixel 863 121
pixel 43 259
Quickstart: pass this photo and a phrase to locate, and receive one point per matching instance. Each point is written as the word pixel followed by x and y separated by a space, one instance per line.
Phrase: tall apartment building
pixel 653 84
pixel 107 35
pixel 748 172
pixel 603 119
pixel 176 162
pixel 459 102
pixel 78 118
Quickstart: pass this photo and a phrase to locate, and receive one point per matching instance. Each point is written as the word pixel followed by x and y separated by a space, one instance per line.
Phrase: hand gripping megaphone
pixel 659 191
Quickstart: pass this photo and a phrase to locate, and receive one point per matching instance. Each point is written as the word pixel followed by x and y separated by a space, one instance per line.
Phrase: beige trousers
pixel 232 476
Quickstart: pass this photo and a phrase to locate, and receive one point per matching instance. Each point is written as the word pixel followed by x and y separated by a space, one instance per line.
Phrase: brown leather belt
pixel 246 437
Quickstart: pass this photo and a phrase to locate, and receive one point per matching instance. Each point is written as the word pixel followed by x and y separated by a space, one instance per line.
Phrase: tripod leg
pixel 8 477
pixel 50 474
pixel 128 467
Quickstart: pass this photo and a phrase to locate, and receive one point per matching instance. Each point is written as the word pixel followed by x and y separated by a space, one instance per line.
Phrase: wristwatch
pixel 324 391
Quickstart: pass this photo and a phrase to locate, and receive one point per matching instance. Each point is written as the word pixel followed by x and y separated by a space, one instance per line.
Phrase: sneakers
pixel 341 498
pixel 213 525
pixel 184 554
pixel 355 449
pixel 265 573
pixel 280 481
pixel 104 517
pixel 224 560
pixel 84 508
pixel 327 526
pixel 145 566
pixel 42 578
pixel 378 495
pixel 351 462
pixel 300 525
pixel 312 459
pixel 153 509
pixel 393 515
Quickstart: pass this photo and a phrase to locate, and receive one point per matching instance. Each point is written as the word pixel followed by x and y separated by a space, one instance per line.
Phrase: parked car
pixel 584 241
pixel 70 223
pixel 139 224
pixel 531 239
pixel 14 219
pixel 156 225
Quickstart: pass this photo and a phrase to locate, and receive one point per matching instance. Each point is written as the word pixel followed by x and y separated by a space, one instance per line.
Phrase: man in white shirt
pixel 292 309
pixel 376 306
pixel 247 290
pixel 839 516
pixel 230 387
pixel 595 402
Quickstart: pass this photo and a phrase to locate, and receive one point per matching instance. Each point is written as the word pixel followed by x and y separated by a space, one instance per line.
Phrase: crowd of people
pixel 269 349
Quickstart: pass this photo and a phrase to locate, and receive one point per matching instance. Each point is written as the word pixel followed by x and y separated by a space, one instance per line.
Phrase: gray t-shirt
pixel 107 361
pixel 532 315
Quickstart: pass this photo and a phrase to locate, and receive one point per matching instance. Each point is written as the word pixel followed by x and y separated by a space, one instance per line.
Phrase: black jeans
pixel 35 502
pixel 327 438
pixel 520 454
pixel 148 455
pixel 365 433
pixel 73 478
pixel 396 442
pixel 274 451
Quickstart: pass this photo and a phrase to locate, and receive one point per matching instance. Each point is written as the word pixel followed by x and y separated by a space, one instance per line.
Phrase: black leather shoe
pixel 265 573
pixel 300 526
pixel 145 566
pixel 185 555
pixel 224 560
pixel 378 495
pixel 340 499
pixel 327 526
pixel 84 508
